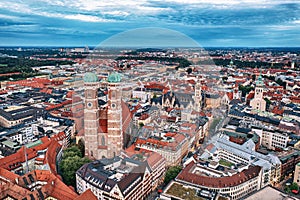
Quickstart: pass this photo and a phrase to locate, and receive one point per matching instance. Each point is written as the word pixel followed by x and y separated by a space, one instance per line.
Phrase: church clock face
pixel 113 106
pixel 89 105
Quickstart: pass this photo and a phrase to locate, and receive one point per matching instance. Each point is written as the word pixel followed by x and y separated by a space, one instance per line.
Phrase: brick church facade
pixel 106 126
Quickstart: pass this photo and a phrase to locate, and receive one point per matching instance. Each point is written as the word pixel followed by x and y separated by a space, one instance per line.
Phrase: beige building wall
pixel 297 174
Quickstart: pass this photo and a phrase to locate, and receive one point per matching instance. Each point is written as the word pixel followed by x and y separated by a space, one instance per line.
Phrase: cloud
pixel 2 16
pixel 218 21
pixel 86 18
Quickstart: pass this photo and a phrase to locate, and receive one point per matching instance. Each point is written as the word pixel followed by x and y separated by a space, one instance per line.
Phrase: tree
pixel 141 124
pixel 81 146
pixel 224 78
pixel 189 70
pixel 183 63
pixel 291 187
pixel 71 162
pixel 281 83
pixel 294 186
pixel 171 173
pixel 245 89
pixel 268 103
pixel 71 152
pixel 69 166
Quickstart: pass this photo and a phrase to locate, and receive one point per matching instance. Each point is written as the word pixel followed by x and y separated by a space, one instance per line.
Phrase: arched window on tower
pixel 103 140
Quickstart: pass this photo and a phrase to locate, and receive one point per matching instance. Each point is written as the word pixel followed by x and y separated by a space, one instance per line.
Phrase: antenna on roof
pixel 26 160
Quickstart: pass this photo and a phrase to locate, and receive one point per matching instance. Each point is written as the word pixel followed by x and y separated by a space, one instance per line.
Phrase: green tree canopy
pixel 171 173
pixel 268 102
pixel 71 162
pixel 294 186
pixel 189 70
pixel 245 89
pixel 72 151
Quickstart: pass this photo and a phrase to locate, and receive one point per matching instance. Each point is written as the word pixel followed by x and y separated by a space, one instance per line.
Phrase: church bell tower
pixel 91 115
pixel 114 116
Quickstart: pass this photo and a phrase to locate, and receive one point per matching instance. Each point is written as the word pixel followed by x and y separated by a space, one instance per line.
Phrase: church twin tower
pixel 103 128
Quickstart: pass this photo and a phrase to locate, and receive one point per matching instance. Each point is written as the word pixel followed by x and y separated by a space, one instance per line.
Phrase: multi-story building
pixel 42 154
pixel 128 177
pixel 297 174
pixel 289 159
pixel 269 193
pixel 194 180
pixel 198 96
pixel 15 115
pixel 272 139
pixel 38 184
pixel 172 146
pixel 222 148
pixel 13 134
pixel 141 93
pixel 212 100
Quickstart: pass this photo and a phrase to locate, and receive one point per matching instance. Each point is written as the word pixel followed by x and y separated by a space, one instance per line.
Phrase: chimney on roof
pixel 17 181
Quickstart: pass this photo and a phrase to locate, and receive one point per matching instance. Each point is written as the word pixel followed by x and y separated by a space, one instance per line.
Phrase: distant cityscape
pixel 149 123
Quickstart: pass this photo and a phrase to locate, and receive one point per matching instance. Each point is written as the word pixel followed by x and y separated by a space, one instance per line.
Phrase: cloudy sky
pixel 209 22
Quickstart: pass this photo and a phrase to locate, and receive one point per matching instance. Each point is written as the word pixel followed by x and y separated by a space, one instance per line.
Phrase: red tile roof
pixel 50 186
pixel 250 95
pixel 15 160
pixel 8 175
pixel 186 175
pixel 230 95
pixel 87 195
pixel 126 116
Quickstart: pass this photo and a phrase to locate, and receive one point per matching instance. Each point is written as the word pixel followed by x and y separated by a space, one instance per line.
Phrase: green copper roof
pixel 114 78
pixel 33 144
pixel 231 62
pixel 259 80
pixel 90 77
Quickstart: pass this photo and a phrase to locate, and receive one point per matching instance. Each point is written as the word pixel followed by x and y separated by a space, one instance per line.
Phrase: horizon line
pixel 95 46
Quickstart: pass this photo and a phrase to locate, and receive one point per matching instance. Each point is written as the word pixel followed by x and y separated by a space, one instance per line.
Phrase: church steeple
pixel 258 103
pixel 91 115
pixel 114 116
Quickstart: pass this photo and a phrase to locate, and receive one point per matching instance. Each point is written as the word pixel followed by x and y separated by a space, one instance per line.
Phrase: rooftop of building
pixel 107 173
pixel 25 187
pixel 287 154
pixel 169 141
pixel 188 175
pixel 246 151
pixel 52 145
pixel 181 191
pixel 270 193
pixel 20 112
pixel 151 157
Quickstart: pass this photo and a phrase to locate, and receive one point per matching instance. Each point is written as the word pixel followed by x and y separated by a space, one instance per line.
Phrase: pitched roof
pixel 15 160
pixel 87 195
pixel 186 175
pixel 8 174
pixel 126 116
pixel 51 186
